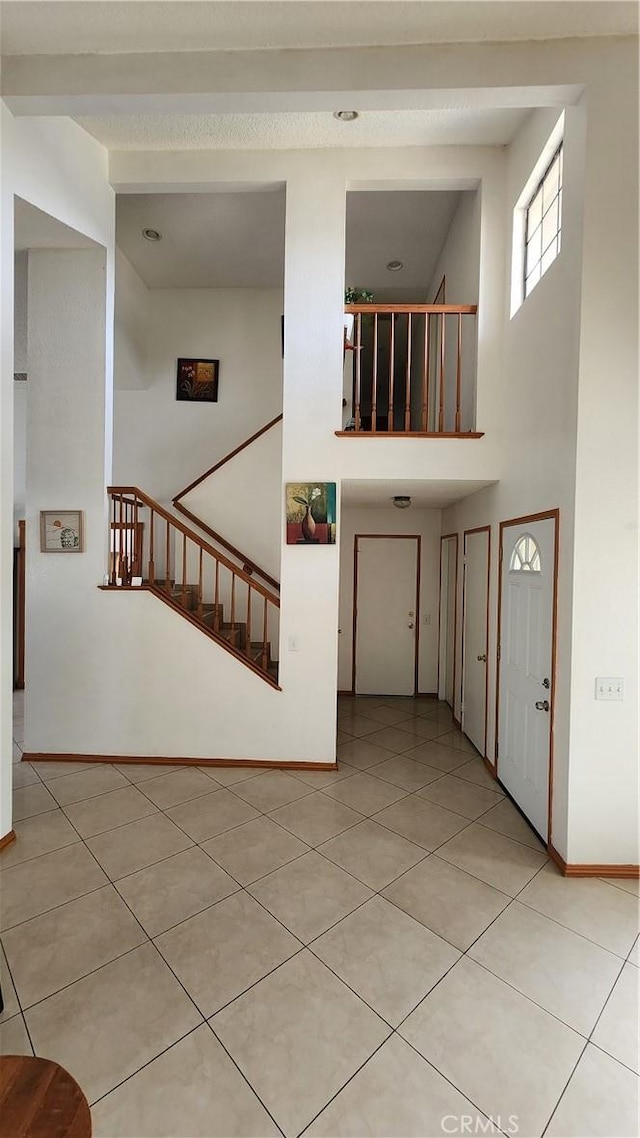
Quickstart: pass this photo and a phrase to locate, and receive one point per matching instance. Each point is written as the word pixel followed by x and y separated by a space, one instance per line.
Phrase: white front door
pixel 474 657
pixel 525 695
pixel 386 615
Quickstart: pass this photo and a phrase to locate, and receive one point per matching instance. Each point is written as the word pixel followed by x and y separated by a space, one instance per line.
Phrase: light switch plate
pixel 609 687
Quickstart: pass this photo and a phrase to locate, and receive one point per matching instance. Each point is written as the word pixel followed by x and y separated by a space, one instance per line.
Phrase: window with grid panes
pixel 543 224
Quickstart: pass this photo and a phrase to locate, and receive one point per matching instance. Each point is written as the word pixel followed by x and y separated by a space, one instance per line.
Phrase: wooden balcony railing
pixel 152 549
pixel 413 370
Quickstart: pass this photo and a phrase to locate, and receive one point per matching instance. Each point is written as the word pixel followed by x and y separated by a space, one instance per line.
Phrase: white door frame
pixel 394 537
pixel 468 533
pixel 443 629
pixel 545 515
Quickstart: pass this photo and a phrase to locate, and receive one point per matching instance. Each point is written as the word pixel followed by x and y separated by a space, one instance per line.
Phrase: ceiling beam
pixel 454 76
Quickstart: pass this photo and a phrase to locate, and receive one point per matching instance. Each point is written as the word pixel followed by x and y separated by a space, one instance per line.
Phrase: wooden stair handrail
pixel 227 545
pixel 227 458
pixel 255 568
pixel 134 491
pixel 443 309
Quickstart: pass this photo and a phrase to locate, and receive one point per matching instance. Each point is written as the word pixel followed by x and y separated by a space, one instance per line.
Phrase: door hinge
pixel 500 553
pixel 498 652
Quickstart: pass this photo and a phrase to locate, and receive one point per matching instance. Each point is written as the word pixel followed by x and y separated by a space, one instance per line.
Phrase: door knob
pixel 410 625
pixel 482 659
pixel 542 705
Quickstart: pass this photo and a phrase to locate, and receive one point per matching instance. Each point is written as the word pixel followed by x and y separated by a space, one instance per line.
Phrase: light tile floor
pixel 384 951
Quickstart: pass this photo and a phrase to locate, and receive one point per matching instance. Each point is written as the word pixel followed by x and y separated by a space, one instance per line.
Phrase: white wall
pixel 603 798
pixel 160 444
pixel 242 501
pixel 426 523
pixel 130 361
pixel 541 376
pixel 459 264
pixel 556 358
pixel 58 168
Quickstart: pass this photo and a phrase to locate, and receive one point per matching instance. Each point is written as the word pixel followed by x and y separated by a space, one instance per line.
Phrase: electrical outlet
pixel 609 687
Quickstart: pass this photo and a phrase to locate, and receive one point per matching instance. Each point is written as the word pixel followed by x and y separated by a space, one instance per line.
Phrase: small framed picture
pixel 311 513
pixel 197 381
pixel 61 531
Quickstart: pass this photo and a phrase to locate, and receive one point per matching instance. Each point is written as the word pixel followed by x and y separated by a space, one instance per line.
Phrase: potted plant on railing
pixel 353 296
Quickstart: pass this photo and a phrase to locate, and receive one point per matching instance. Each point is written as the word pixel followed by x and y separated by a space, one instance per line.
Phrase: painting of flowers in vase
pixel 311 513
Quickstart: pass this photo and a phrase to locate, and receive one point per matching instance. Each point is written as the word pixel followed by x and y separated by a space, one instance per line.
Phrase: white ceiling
pixel 424 494
pixel 408 226
pixel 133 26
pixel 299 130
pixel 208 240
pixel 236 240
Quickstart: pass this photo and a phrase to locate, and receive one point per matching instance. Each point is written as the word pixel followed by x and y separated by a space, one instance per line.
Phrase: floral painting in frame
pixel 61 531
pixel 311 513
pixel 197 381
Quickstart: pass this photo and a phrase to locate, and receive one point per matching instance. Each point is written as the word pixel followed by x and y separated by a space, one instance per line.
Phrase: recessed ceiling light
pixel 345 116
pixel 402 501
pixel 151 235
pixel 395 266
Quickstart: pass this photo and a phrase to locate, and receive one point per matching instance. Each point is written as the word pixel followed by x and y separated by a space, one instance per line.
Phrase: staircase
pixel 151 549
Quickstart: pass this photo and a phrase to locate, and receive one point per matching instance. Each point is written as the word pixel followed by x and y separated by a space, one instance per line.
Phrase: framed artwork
pixel 61 531
pixel 197 381
pixel 311 513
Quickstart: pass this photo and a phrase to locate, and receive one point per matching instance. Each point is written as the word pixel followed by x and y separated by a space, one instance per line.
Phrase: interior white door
pixel 474 657
pixel 526 635
pixel 386 615
pixel 448 585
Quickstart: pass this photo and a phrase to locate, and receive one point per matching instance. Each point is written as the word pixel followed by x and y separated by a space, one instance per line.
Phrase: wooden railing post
pixel 407 394
pixel 442 353
pixel 248 644
pixel 265 631
pixel 113 546
pixel 459 374
pixel 167 574
pixel 374 376
pixel 358 372
pixel 152 567
pixel 424 422
pixel 392 366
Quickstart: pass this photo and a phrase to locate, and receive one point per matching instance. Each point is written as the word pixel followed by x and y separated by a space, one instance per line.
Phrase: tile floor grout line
pixel 442 1075
pixel 254 983
pixel 528 905
pixel 614 1058
pixel 346 1084
pixel 110 829
pixel 564 1089
pixel 246 1079
pixel 17 994
pixel 53 908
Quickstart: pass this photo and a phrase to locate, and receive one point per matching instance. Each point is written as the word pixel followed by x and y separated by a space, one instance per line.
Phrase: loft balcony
pixel 410 370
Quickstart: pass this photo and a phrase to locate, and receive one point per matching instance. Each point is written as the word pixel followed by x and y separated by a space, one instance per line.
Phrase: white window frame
pixel 553 144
